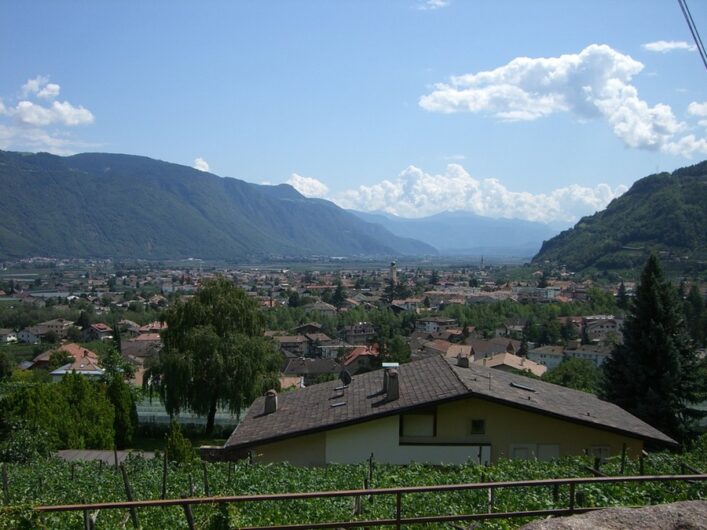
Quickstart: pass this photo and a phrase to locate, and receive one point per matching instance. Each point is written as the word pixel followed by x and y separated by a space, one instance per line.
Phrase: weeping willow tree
pixel 214 353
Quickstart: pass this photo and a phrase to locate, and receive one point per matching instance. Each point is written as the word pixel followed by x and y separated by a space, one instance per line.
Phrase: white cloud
pixel 201 164
pixel 415 193
pixel 49 91
pixel 594 83
pixel 31 125
pixel 698 110
pixel 308 186
pixel 431 5
pixel 32 86
pixel 665 46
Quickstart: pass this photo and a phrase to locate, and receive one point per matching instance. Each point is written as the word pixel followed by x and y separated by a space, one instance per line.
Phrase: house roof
pixel 512 361
pixel 423 383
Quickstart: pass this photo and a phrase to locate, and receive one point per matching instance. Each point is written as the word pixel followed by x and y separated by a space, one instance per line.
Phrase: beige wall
pixel 305 450
pixel 505 428
pixel 354 444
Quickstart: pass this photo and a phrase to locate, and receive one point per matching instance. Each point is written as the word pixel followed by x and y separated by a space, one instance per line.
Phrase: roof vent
pixel 522 387
pixel 270 402
pixel 463 361
pixel 393 385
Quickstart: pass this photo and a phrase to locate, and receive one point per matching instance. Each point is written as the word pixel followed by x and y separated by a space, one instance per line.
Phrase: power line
pixel 693 29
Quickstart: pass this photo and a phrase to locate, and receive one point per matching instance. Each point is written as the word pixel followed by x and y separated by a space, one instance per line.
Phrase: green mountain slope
pixel 108 205
pixel 664 213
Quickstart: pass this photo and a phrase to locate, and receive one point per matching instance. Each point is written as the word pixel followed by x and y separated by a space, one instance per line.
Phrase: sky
pixel 543 110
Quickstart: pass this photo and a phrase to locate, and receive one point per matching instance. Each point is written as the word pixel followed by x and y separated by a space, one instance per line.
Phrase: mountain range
pixel 467 234
pixel 124 206
pixel 664 213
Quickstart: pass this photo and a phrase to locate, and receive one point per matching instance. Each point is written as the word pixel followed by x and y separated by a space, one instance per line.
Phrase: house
pixel 321 307
pixel 7 336
pixel 361 359
pixel 58 326
pixel 309 327
pixel 294 344
pixel 511 363
pixel 434 324
pixel 550 356
pixel 360 333
pixel 98 331
pixel 602 328
pixel 487 347
pixel 436 412
pixel 83 361
pixel 589 352
pixel 153 327
pixel 32 334
pixel 312 370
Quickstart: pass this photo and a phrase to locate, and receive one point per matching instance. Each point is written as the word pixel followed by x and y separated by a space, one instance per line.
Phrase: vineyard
pixel 53 482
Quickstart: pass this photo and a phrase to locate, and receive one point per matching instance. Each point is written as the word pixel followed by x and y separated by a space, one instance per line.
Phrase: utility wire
pixel 693 29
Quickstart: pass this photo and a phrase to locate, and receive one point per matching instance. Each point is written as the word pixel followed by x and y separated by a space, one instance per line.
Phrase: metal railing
pixel 398 520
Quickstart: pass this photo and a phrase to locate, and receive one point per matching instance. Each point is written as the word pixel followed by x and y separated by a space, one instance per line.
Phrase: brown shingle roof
pixel 423 383
pixel 309 409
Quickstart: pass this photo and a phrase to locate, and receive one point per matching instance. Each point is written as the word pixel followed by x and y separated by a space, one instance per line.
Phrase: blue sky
pixel 409 106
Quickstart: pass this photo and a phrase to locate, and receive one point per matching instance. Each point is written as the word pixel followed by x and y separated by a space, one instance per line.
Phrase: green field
pixel 54 482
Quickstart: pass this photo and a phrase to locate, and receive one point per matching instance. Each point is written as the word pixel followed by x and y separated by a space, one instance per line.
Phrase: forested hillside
pixel 664 213
pixel 109 205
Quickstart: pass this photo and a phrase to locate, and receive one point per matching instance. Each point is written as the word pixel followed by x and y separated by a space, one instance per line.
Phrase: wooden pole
pixel 165 465
pixel 206 479
pixel 188 515
pixel 623 458
pixel 5 484
pixel 129 495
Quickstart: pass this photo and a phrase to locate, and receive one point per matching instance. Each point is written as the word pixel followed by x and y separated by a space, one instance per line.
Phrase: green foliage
pixel 696 316
pixel 656 374
pixel 50 482
pixel 22 443
pixel 74 413
pixel 659 212
pixel 214 352
pixel 7 365
pixel 125 421
pixel 576 373
pixel 57 359
pixel 178 446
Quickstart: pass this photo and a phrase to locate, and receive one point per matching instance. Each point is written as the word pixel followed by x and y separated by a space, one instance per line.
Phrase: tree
pixel 575 373
pixel 622 297
pixel 6 365
pixel 339 296
pixel 656 374
pixel 214 353
pixel 695 315
pixel 125 418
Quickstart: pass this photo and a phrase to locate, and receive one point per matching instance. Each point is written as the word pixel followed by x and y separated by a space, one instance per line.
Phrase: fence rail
pixel 398 520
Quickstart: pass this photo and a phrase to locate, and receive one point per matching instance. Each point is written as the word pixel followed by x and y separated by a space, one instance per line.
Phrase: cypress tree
pixel 656 374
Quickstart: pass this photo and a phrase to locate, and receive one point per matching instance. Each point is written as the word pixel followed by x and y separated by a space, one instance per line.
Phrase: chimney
pixel 270 402
pixel 385 380
pixel 393 385
pixel 463 361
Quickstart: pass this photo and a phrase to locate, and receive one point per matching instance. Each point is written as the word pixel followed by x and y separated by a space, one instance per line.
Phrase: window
pixel 599 451
pixel 478 427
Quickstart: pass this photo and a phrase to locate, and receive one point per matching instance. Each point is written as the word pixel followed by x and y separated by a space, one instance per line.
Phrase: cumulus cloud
pixel 30 124
pixel 665 46
pixel 308 186
pixel 201 164
pixel 416 193
pixel 592 84
pixel 431 5
pixel 699 110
